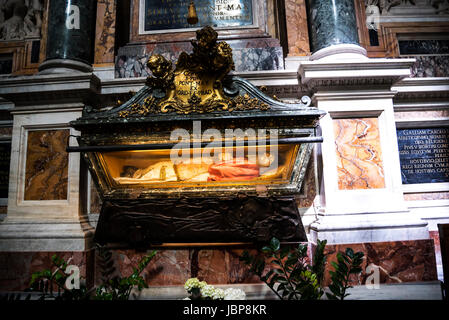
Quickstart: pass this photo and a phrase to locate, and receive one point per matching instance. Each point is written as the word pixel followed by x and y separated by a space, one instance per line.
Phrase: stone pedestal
pixel 362 199
pixel 333 30
pixel 46 210
pixel 361 202
pixel 71 34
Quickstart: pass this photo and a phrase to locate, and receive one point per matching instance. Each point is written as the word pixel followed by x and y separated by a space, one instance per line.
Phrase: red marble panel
pixel 399 261
pixel 46 173
pixel 297 30
pixel 222 266
pixel 359 154
pixel 16 268
pixel 175 266
pixel 168 267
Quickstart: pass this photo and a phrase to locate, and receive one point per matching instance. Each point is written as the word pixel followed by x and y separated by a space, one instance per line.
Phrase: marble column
pixel 70 38
pixel 333 30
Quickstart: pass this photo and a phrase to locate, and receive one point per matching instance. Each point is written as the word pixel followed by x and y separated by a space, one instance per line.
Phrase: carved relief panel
pixel 22 24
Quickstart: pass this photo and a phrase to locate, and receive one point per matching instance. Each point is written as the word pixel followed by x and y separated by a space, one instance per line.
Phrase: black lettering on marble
pixel 424 155
pixel 172 14
pixel 407 47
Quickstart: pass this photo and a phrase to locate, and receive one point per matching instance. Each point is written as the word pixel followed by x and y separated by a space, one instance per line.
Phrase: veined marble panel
pixel 430 66
pixel 16 268
pixel 359 154
pixel 297 30
pixel 105 32
pixel 396 262
pixel 46 172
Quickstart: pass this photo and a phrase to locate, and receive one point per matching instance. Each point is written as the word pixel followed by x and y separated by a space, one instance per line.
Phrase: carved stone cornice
pixel 319 75
pixel 422 88
pixel 49 89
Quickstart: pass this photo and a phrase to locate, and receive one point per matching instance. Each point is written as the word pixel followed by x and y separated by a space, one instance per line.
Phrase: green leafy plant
pixel 346 265
pixel 118 288
pixel 51 283
pixel 290 275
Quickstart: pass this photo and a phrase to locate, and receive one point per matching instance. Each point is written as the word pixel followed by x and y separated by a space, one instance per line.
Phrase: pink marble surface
pixel 399 261
pixel 359 154
pixel 297 30
pixel 16 268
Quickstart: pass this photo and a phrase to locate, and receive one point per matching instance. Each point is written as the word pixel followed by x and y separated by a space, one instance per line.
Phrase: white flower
pixel 234 294
pixel 207 291
pixel 194 283
pixel 218 294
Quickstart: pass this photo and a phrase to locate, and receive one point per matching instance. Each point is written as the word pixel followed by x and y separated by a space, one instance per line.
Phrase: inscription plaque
pixel 5 157
pixel 172 14
pixel 424 155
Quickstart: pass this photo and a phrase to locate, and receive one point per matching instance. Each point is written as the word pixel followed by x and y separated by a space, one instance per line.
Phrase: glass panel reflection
pixel 204 166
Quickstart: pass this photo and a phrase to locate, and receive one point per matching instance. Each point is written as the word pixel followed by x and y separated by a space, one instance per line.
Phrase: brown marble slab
pixel 16 268
pixel 168 267
pixel 46 172
pixel 359 154
pixel 297 30
pixel 175 266
pixel 105 32
pixel 399 261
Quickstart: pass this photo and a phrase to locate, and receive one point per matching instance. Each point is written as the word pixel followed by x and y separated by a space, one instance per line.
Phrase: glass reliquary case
pixel 198 156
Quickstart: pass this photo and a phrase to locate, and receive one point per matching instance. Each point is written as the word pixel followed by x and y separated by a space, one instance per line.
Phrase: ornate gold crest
pixel 195 86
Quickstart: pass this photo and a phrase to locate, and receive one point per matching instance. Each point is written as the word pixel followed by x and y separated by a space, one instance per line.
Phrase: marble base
pixel 398 261
pixel 259 291
pixel 36 236
pixel 16 268
pixel 104 73
pixel 340 52
pixel 56 66
pixel 368 227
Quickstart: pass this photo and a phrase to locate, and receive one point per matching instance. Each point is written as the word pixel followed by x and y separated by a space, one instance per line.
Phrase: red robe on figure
pixel 233 170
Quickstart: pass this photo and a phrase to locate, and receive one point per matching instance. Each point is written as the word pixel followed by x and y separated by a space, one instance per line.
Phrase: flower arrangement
pixel 200 290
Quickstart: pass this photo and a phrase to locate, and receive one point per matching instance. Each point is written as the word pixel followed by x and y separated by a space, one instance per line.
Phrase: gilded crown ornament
pixel 195 86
